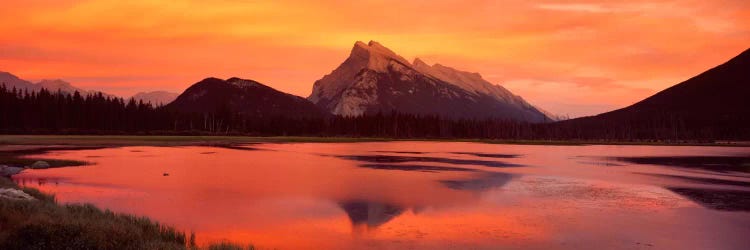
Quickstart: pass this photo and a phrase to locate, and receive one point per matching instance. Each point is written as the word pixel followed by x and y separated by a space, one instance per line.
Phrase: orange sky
pixel 576 58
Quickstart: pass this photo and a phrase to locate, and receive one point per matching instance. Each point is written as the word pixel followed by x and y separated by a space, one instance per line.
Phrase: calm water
pixel 423 194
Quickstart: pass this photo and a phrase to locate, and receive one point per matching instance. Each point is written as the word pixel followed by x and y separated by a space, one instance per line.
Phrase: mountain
pixel 713 104
pixel 157 98
pixel 11 81
pixel 474 83
pixel 246 97
pixel 375 79
pixel 52 85
pixel 60 85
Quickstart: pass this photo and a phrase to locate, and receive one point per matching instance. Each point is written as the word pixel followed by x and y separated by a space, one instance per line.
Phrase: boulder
pixel 7 171
pixel 40 165
pixel 15 194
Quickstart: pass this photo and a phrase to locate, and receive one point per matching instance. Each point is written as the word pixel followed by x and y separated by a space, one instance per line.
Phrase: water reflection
pixel 371 214
pixel 705 180
pixel 413 167
pixel 483 182
pixel 728 200
pixel 711 163
pixel 415 195
pixel 400 159
pixel 400 152
pixel 488 155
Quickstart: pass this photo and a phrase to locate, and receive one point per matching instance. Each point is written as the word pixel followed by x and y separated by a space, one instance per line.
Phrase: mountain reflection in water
pixel 420 195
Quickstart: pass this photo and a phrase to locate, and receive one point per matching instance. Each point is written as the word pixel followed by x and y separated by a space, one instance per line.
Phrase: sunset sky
pixel 568 57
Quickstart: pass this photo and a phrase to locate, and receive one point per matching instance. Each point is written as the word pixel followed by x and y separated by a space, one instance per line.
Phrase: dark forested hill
pixel 714 104
pixel 242 97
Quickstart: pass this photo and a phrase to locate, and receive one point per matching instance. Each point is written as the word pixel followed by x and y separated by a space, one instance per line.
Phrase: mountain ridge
pixel 52 85
pixel 715 100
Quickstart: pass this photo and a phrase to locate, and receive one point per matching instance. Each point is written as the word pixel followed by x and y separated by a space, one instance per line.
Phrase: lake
pixel 422 195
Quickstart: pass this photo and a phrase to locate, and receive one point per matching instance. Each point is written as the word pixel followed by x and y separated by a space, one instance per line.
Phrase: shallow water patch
pixel 727 200
pixel 482 182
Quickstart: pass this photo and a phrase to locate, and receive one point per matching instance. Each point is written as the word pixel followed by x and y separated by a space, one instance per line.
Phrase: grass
pixel 45 224
pixel 126 140
pixel 229 246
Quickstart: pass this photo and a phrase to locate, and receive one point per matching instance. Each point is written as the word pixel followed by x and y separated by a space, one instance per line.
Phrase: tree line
pixel 45 112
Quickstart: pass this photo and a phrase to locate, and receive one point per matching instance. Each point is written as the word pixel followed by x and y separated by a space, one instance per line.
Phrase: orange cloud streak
pixel 570 58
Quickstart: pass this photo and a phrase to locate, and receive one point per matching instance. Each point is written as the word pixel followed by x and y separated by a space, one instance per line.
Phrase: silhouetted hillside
pixel 714 104
pixel 242 97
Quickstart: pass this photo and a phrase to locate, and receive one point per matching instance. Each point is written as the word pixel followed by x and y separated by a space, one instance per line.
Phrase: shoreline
pixel 179 140
pixel 38 219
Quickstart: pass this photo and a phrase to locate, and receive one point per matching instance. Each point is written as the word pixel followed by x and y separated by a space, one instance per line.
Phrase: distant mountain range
pixel 243 97
pixel 157 98
pixel 11 81
pixel 712 102
pixel 375 79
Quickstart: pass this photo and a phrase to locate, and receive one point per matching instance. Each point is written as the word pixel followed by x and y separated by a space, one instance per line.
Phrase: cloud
pixel 582 7
pixel 606 7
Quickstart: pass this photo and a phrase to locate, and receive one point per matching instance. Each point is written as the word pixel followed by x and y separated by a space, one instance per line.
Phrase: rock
pixel 40 165
pixel 15 194
pixel 7 171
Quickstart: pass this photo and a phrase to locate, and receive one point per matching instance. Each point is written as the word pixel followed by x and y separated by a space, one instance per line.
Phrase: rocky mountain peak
pixel 374 55
pixel 375 79
pixel 419 63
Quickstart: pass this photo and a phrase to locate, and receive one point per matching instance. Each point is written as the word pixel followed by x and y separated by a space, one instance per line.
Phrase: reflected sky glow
pixel 294 196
